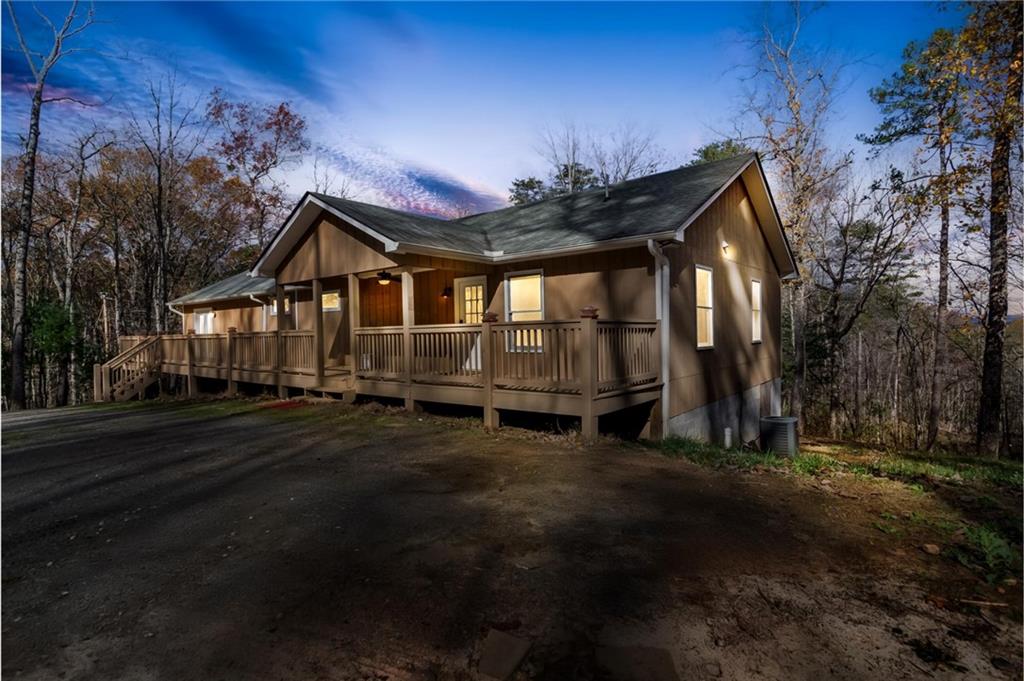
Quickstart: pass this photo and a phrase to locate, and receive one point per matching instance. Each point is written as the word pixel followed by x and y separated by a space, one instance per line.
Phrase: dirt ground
pixel 238 540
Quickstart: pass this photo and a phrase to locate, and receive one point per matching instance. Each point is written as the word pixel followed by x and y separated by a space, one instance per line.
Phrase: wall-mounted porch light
pixel 447 292
pixel 383 278
pixel 725 246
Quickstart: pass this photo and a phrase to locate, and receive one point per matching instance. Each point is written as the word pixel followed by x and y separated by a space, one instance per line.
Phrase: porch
pixel 586 367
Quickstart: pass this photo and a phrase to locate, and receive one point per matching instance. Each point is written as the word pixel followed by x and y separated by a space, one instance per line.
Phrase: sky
pixel 436 107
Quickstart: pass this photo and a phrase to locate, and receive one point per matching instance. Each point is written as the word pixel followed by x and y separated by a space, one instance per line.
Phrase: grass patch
pixel 706 454
pixel 986 551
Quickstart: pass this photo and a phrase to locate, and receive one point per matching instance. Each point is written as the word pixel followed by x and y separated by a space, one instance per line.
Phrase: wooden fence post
pixel 97 382
pixel 282 391
pixel 491 417
pixel 231 360
pixel 190 355
pixel 588 372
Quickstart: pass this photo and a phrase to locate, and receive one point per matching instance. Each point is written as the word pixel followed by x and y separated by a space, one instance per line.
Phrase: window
pixel 524 302
pixel 202 321
pixel 524 297
pixel 705 308
pixel 287 306
pixel 330 301
pixel 755 311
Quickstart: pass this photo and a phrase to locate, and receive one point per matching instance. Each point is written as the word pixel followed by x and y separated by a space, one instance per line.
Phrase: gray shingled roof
pixel 235 286
pixel 648 205
pixel 654 204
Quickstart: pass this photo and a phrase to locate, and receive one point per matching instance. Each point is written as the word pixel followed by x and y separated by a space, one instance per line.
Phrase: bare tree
pixel 625 153
pixel 171 134
pixel 40 64
pixel 327 181
pixel 565 150
pixel 790 99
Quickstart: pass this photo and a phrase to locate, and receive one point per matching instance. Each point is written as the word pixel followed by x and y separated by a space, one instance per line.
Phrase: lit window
pixel 525 298
pixel 287 306
pixel 331 301
pixel 705 308
pixel 755 310
pixel 202 321
pixel 525 303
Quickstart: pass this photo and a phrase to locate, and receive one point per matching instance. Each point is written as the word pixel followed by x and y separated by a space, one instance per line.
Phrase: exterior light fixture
pixel 447 292
pixel 383 278
pixel 725 246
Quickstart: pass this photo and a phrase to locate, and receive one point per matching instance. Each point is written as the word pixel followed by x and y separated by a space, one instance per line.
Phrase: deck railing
pixel 585 359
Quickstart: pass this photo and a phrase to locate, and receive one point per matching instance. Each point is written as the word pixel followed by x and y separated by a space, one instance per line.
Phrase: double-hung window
pixel 755 311
pixel 705 307
pixel 524 302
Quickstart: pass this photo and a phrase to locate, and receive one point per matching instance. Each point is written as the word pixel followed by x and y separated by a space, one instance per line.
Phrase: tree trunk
pixel 19 311
pixel 989 432
pixel 939 332
pixel 799 356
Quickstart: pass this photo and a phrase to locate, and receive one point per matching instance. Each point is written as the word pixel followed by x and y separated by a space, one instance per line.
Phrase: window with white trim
pixel 524 302
pixel 330 301
pixel 524 297
pixel 705 307
pixel 755 311
pixel 202 321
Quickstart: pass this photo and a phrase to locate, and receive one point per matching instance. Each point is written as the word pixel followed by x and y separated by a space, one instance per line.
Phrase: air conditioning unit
pixel 779 435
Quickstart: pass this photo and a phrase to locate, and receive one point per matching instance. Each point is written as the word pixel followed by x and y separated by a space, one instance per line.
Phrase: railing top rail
pixel 296 332
pixel 127 354
pixel 248 334
pixel 444 327
pixel 370 330
pixel 627 322
pixel 524 324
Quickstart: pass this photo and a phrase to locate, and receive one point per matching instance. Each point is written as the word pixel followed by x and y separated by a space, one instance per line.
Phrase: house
pixel 660 295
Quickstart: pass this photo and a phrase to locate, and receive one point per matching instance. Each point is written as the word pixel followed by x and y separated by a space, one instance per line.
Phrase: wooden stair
pixel 130 373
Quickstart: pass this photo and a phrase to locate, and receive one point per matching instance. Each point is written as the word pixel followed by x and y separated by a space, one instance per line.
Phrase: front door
pixel 470 303
pixel 470 299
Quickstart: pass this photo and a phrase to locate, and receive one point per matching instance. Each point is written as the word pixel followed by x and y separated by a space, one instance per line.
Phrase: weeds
pixel 986 551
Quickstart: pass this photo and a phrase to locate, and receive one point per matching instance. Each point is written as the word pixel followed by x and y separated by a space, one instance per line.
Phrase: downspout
pixel 662 287
pixel 170 306
pixel 263 307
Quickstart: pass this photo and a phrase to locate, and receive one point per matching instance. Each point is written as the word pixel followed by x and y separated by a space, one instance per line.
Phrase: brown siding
pixel 244 315
pixel 380 305
pixel 734 363
pixel 619 283
pixel 343 250
pixel 430 307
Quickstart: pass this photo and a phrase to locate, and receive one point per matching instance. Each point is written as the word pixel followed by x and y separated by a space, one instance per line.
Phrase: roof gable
pixel 658 206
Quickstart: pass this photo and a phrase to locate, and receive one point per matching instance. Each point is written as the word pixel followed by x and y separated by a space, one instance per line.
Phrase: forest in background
pixel 898 333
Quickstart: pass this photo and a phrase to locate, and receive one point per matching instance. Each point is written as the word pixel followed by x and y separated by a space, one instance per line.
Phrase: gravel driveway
pixel 236 540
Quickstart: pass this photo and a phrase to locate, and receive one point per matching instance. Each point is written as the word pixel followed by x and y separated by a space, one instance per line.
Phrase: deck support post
pixel 231 361
pixel 282 391
pixel 588 373
pixel 318 332
pixel 408 319
pixel 491 418
pixel 190 365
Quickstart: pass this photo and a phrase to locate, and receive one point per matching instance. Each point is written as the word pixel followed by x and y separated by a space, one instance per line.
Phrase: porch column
pixel 279 307
pixel 408 320
pixel 353 324
pixel 318 332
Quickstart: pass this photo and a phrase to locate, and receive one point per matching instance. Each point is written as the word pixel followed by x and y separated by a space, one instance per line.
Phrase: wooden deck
pixel 586 367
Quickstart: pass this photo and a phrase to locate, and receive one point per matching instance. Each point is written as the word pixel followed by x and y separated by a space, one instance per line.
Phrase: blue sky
pixel 430 105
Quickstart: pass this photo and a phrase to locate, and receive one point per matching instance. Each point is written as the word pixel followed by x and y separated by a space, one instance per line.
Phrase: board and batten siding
pixel 735 363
